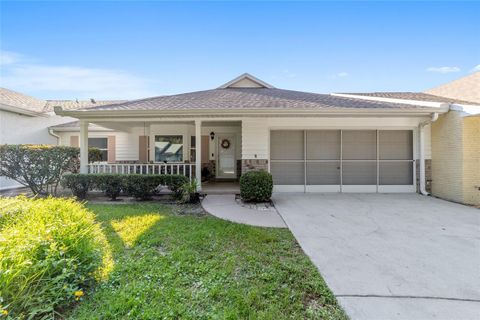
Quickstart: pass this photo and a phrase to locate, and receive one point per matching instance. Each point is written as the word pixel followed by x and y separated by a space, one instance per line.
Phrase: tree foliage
pixel 38 167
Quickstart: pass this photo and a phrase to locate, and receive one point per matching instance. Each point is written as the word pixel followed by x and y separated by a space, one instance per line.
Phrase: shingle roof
pixel 250 98
pixel 466 88
pixel 418 96
pixel 77 104
pixel 20 100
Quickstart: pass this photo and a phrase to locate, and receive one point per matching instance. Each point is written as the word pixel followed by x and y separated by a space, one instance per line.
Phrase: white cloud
pixel 443 69
pixel 476 68
pixel 81 82
pixel 342 74
pixel 7 57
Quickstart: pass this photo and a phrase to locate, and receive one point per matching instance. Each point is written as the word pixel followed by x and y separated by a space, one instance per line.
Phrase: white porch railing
pixel 186 169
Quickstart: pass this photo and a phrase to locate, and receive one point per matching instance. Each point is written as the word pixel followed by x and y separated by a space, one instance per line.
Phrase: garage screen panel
pixel 323 144
pixel 323 173
pixel 287 163
pixel 343 160
pixel 395 157
pixel 286 145
pixel 359 163
pixel 359 145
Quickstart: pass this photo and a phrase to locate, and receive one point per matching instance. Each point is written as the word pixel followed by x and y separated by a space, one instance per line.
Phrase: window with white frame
pixel 100 144
pixel 169 148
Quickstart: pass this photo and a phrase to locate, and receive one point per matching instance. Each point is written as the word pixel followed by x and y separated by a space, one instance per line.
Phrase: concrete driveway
pixel 391 256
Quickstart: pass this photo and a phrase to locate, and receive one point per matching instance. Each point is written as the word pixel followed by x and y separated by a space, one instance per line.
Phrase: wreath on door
pixel 225 143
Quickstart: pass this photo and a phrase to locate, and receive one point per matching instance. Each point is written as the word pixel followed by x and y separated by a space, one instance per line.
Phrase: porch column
pixel 198 154
pixel 83 146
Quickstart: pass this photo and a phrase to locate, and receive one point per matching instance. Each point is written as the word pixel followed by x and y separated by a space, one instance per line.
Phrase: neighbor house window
pixel 168 148
pixel 101 144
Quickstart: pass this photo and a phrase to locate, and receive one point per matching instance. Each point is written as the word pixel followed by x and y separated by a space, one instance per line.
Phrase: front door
pixel 226 161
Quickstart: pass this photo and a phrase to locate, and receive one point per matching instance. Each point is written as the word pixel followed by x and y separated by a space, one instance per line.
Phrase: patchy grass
pixel 199 267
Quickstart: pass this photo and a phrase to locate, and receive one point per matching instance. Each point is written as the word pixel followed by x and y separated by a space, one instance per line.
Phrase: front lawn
pixel 199 267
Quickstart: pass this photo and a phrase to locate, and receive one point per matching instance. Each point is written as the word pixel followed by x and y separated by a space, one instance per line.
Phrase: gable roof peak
pixel 246 80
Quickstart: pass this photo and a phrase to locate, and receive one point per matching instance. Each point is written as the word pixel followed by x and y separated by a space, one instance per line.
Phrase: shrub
pixel 174 182
pixel 189 192
pixel 38 167
pixel 256 186
pixel 110 184
pixel 52 250
pixel 141 186
pixel 79 183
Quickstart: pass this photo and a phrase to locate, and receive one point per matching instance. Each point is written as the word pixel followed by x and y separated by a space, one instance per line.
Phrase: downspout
pixel 52 133
pixel 421 136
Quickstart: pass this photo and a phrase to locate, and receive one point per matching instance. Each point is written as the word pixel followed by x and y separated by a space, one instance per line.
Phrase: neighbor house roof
pixel 466 88
pixel 416 96
pixel 251 98
pixel 21 101
pixel 77 104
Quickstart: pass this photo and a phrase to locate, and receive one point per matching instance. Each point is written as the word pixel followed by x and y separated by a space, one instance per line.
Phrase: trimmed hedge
pixel 52 250
pixel 111 184
pixel 139 186
pixel 256 186
pixel 80 184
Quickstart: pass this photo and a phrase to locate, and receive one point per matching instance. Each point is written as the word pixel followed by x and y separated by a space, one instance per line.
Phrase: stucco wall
pixel 20 129
pixel 471 160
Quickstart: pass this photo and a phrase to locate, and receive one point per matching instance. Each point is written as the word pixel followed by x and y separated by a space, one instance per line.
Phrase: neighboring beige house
pixel 456 143
pixel 25 119
pixel 466 89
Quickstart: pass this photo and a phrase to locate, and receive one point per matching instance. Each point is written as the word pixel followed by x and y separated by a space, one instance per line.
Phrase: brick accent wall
pixel 456 158
pixel 471 160
pixel 428 175
pixel 254 164
pixel 447 157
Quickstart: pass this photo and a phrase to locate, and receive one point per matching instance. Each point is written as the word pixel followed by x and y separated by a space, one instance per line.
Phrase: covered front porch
pixel 204 150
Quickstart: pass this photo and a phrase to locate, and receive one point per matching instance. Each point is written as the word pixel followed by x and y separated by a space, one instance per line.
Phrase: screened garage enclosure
pixel 342 160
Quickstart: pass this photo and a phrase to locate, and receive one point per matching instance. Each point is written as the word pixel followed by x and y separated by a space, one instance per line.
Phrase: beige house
pixel 355 142
pixel 309 142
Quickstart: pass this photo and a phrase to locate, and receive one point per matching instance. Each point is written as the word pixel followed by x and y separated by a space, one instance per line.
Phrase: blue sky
pixel 112 50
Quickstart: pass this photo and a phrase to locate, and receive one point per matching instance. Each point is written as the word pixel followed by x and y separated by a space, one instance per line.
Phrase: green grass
pixel 168 266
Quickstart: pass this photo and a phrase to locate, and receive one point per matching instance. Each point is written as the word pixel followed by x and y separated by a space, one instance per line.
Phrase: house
pixel 25 119
pixel 309 142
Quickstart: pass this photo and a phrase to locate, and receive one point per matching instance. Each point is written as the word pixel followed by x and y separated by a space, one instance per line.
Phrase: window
pixel 101 144
pixel 168 148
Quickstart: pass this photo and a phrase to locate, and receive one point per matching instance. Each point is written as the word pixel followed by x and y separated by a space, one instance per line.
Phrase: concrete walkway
pixel 225 207
pixel 391 256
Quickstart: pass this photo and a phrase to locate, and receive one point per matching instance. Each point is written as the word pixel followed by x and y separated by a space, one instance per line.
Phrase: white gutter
pixel 421 143
pixel 24 112
pixel 52 133
pixel 422 103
